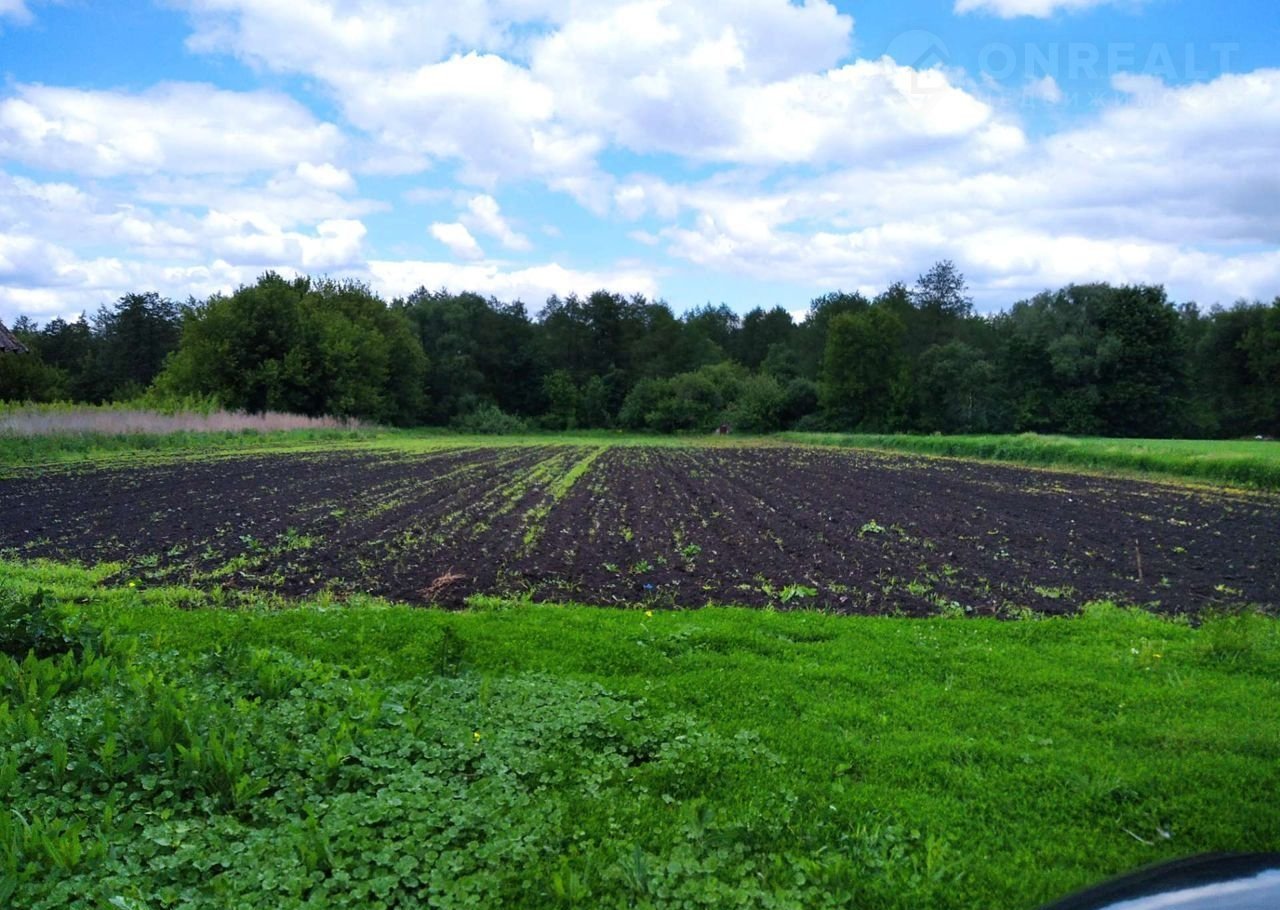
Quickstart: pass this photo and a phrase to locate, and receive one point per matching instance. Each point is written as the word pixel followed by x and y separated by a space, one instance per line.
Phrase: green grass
pixel 532 756
pixel 1237 462
pixel 100 448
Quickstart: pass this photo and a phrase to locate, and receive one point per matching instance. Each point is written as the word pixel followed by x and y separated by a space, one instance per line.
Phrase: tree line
pixel 1090 359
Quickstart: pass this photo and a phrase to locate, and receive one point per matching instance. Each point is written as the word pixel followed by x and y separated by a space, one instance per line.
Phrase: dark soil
pixel 795 527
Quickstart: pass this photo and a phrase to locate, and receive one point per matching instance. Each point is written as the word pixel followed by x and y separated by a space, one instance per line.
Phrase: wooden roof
pixel 9 344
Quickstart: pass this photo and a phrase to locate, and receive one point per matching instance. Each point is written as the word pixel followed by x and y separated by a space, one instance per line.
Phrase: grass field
pixel 1241 462
pixel 517 755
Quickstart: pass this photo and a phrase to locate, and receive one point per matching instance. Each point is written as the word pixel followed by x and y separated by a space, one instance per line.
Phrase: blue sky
pixel 756 154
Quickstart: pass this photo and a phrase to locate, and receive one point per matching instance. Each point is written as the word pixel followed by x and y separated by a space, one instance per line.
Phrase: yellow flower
pixel 476 735
pixel 648 613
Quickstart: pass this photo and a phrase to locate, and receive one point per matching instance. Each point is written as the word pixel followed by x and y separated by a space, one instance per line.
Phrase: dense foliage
pixel 567 757
pixel 1087 359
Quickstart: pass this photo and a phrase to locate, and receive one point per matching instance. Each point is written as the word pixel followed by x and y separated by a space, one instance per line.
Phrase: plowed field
pixel 795 527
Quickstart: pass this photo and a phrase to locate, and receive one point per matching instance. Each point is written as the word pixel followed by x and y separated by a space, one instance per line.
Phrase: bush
pixel 38 623
pixel 490 420
pixel 758 408
pixel 640 401
pixel 799 400
pixel 696 401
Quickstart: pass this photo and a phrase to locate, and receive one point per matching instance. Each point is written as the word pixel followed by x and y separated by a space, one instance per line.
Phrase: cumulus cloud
pixel 332 36
pixel 102 281
pixel 1045 89
pixel 754 142
pixel 485 215
pixel 458 239
pixel 722 83
pixel 172 128
pixel 333 246
pixel 1173 187
pixel 533 284
pixel 44 227
pixel 325 176
pixel 284 198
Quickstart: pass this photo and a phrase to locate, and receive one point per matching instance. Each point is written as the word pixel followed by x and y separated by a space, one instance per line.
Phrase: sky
pixel 755 153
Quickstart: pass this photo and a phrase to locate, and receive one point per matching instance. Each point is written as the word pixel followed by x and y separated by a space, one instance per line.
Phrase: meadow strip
pixel 1249 463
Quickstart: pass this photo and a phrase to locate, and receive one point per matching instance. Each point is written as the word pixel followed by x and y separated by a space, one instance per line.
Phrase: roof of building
pixel 9 344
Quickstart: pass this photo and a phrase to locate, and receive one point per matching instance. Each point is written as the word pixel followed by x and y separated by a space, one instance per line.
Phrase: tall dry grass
pixel 37 420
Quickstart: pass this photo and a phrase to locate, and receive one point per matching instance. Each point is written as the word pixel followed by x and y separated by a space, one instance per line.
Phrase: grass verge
pixel 530 756
pixel 1238 462
pixel 20 452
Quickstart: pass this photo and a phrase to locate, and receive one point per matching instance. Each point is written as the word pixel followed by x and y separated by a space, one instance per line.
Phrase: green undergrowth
pixel 517 755
pixel 1248 463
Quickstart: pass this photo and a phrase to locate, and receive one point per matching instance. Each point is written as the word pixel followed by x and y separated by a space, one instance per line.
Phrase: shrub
pixel 759 405
pixel 490 420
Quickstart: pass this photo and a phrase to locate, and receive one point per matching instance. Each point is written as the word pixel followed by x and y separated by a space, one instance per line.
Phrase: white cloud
pixel 770 152
pixel 485 216
pixel 174 128
pixel 1045 89
pixel 328 36
pixel 658 77
pixel 533 284
pixel 721 83
pixel 15 10
pixel 61 284
pixel 335 244
pixel 458 239
pixel 48 229
pixel 1175 185
pixel 1039 9
pixel 325 176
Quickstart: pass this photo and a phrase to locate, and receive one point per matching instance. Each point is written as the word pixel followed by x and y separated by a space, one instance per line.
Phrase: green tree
pixel 799 400
pixel 811 336
pixel 761 332
pixel 943 290
pixel 1141 364
pixel 562 400
pixel 1261 347
pixel 478 350
pixel 594 409
pixel 130 344
pixel 318 348
pixel 25 377
pixel 717 326
pixel 695 401
pixel 1048 363
pixel 957 390
pixel 862 368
